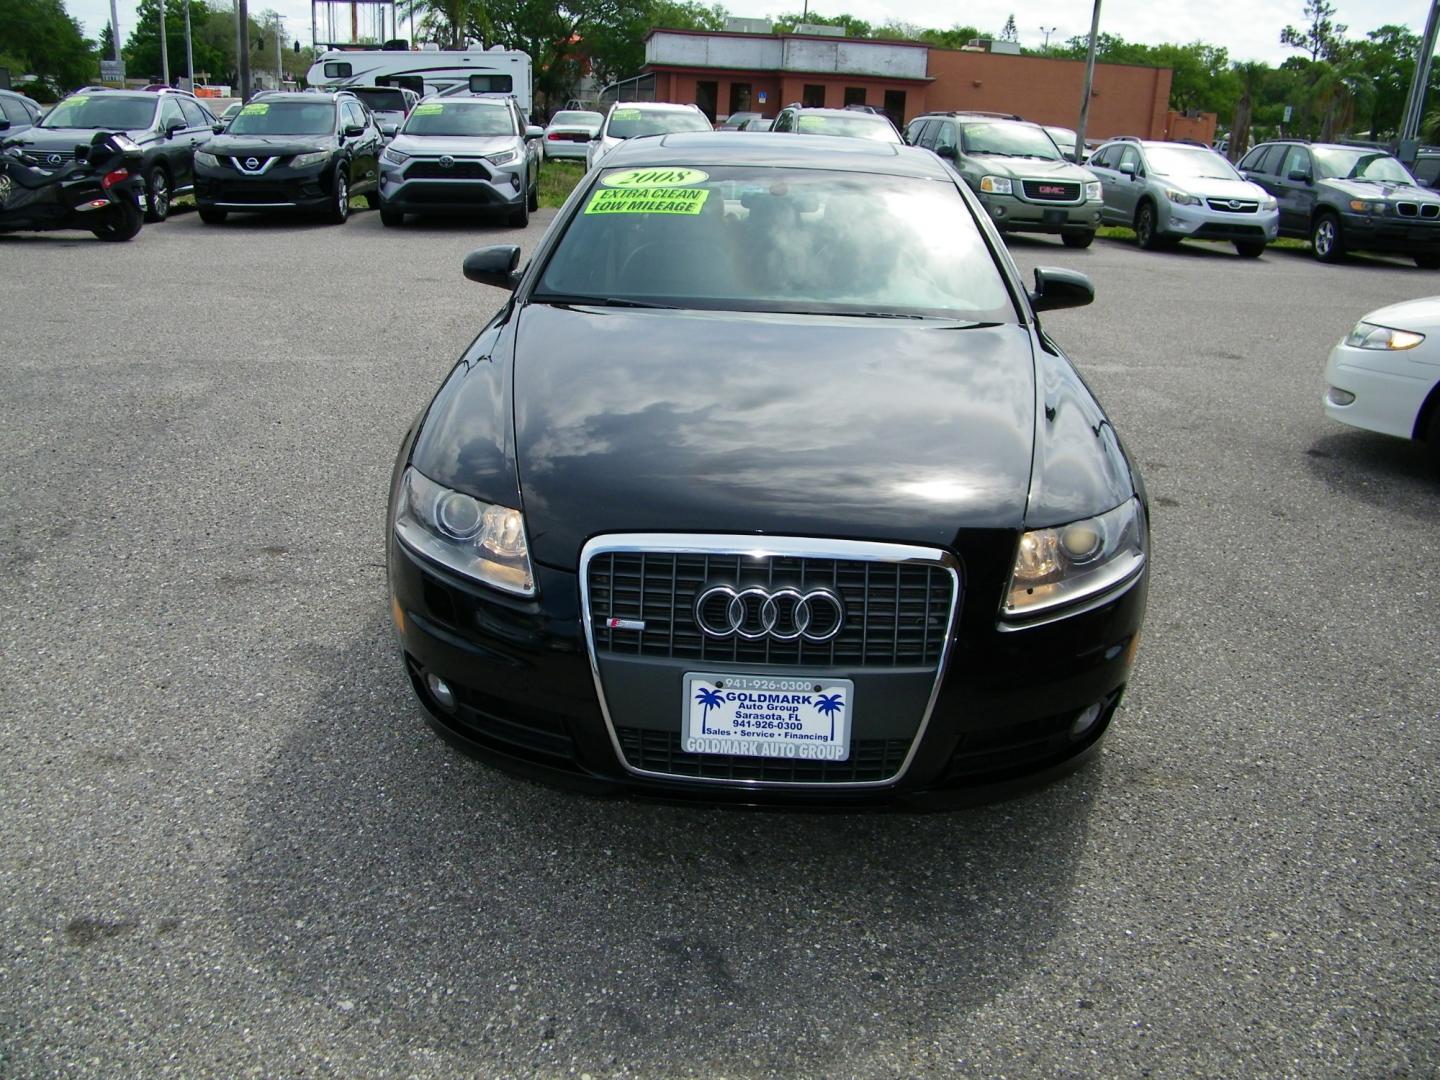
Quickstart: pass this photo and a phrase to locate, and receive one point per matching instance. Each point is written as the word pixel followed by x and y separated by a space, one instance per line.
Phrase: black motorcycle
pixel 99 189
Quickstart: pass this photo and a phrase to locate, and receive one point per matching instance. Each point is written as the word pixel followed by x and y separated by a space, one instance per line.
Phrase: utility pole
pixel 115 29
pixel 1047 31
pixel 164 48
pixel 242 17
pixel 189 48
pixel 279 53
pixel 1089 83
pixel 1415 102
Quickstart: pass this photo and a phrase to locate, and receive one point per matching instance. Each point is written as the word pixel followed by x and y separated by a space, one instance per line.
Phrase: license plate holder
pixel 797 717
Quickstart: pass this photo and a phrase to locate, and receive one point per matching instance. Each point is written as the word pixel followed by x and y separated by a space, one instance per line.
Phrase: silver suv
pixel 1170 191
pixel 1016 171
pixel 458 154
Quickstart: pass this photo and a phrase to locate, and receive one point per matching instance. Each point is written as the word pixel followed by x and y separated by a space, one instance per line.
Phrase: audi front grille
pixel 657 606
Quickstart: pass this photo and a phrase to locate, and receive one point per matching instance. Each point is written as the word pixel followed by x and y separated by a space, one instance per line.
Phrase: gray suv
pixel 1017 173
pixel 1169 191
pixel 457 154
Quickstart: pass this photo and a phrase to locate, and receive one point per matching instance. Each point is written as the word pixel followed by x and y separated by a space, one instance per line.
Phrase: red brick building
pixel 746 72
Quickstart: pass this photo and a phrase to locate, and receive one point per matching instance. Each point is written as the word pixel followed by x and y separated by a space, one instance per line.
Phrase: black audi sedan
pixel 766 484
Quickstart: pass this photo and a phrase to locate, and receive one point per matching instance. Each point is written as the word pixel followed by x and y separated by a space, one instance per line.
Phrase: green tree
pixel 44 40
pixel 142 48
pixel 616 49
pixel 1249 78
pixel 1009 32
pixel 853 27
pixel 1321 37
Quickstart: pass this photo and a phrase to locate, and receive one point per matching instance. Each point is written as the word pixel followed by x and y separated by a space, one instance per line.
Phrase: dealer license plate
pixel 801 717
pixel 1055 217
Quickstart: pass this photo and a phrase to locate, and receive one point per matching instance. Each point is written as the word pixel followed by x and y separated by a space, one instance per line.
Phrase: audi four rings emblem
pixel 784 614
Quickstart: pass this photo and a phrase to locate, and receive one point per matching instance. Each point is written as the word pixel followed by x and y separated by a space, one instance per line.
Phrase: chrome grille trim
pixel 783 546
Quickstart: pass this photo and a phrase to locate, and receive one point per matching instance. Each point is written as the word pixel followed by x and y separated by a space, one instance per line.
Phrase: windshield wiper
pixel 597 301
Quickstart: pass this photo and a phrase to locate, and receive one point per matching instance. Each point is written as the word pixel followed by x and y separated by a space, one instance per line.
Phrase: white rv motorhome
pixel 427 71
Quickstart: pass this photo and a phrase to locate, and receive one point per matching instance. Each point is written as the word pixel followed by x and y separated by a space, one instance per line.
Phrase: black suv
pixel 1348 198
pixel 291 151
pixel 167 124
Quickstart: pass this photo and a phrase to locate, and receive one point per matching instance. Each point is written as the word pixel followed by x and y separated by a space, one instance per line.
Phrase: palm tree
pixel 445 21
pixel 829 705
pixel 708 699
pixel 1251 76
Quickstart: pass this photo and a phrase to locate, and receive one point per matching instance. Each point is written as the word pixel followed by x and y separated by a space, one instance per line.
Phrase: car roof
pixel 658 106
pixel 816 109
pixel 840 153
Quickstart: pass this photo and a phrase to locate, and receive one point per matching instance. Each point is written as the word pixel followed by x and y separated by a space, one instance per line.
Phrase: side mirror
pixel 218 128
pixel 1128 168
pixel 494 266
pixel 532 133
pixel 1057 288
pixel 1300 176
pixel 4 124
pixel 173 128
pixel 947 152
pixel 354 131
pixel 388 130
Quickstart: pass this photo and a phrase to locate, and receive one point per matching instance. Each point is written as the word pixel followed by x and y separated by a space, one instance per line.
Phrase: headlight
pixel 995 185
pixel 502 157
pixel 1369 336
pixel 1182 198
pixel 395 157
pixel 1363 206
pixel 202 158
pixel 476 539
pixel 1094 191
pixel 304 161
pixel 1268 203
pixel 1070 562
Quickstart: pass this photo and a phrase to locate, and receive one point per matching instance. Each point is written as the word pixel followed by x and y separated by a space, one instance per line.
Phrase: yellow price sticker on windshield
pixel 663 200
pixel 625 114
pixel 258 109
pixel 635 178
pixel 431 108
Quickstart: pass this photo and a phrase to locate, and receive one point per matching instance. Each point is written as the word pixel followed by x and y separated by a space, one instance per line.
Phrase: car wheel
pixel 372 200
pixel 123 225
pixel 339 211
pixel 391 218
pixel 532 201
pixel 1145 234
pixel 520 216
pixel 1249 249
pixel 213 216
pixel 157 194
pixel 1325 239
pixel 1077 239
pixel 1428 262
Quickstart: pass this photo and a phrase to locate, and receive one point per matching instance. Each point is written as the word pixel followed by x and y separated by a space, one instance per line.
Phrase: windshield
pixel 383 100
pixel 462 119
pixel 859 126
pixel 101 112
pixel 284 118
pixel 1198 164
pixel 1064 138
pixel 577 119
pixel 632 123
pixel 1336 164
pixel 786 240
pixel 1009 140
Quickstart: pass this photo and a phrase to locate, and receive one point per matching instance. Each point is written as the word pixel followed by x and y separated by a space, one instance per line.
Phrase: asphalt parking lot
pixel 232 847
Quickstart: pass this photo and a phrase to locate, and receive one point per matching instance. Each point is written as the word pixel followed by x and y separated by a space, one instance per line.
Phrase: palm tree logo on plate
pixel 708 699
pixel 829 705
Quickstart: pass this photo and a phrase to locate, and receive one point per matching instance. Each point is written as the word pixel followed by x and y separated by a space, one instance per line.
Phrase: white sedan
pixel 569 133
pixel 1385 375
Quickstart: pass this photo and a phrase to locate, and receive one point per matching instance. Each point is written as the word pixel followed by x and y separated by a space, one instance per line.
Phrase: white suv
pixel 631 119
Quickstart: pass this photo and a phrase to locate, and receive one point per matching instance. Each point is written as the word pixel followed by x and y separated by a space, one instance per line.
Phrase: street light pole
pixel 279 53
pixel 242 18
pixel 189 48
pixel 1415 102
pixel 164 48
pixel 1089 84
pixel 1047 31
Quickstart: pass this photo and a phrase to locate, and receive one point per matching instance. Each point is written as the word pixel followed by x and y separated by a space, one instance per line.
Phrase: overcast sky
pixel 1250 29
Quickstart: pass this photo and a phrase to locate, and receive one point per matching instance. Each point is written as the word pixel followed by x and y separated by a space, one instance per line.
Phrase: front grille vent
pixel 870 760
pixel 1051 190
pixel 1234 206
pixel 461 170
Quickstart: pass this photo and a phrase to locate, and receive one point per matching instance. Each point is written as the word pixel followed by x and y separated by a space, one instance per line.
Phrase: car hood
pixel 1368 189
pixel 436 145
pixel 634 420
pixel 267 145
pixel 69 138
pixel 1421 316
pixel 1033 167
pixel 1215 187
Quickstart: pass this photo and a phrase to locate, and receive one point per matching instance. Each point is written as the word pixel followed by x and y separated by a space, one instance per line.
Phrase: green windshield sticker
pixel 625 114
pixel 811 123
pixel 637 178
pixel 257 109
pixel 662 200
pixel 430 108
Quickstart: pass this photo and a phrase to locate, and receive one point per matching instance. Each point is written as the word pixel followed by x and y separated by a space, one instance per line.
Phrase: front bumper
pixel 1010 213
pixel 1204 223
pixel 279 188
pixel 1392 235
pixel 526 695
pixel 1389 388
pixel 483 188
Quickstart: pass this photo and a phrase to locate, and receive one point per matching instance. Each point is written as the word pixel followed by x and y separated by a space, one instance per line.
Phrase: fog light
pixel 1340 397
pixel 440 690
pixel 998 211
pixel 1085 721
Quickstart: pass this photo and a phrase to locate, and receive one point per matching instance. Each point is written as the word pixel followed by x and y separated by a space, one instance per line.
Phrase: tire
pixel 1249 249
pixel 532 200
pixel 157 194
pixel 391 219
pixel 124 223
pixel 1325 238
pixel 1428 262
pixel 339 211
pixel 1077 239
pixel 1146 234
pixel 520 216
pixel 372 200
pixel 213 216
